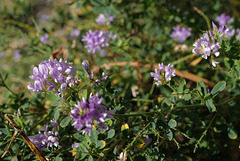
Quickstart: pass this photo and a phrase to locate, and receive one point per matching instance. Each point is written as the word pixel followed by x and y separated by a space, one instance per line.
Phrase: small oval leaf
pixel 65 121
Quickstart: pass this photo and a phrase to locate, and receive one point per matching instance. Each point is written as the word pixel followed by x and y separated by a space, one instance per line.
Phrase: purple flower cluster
pixel 164 74
pixel 16 55
pixel 75 33
pixel 102 18
pixel 49 75
pixel 46 138
pixel 181 33
pixel 86 112
pixel 224 19
pixel 97 40
pixel 208 45
pixel 44 38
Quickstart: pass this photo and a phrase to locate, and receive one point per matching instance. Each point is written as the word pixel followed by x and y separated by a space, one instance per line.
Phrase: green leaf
pixel 211 107
pixel 172 123
pixel 85 94
pixel 54 99
pixel 218 88
pixel 232 133
pixel 202 86
pixel 90 158
pixel 80 4
pixel 65 122
pixel 111 133
pixel 57 114
pixel 94 136
pixel 58 158
pixel 79 137
pixel 169 134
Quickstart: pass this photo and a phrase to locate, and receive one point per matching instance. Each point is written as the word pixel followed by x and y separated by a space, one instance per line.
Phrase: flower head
pixel 209 44
pixel 163 74
pixel 75 33
pixel 50 75
pixel 16 55
pixel 181 33
pixel 86 112
pixel 97 40
pixel 44 38
pixel 224 19
pixel 45 138
pixel 102 18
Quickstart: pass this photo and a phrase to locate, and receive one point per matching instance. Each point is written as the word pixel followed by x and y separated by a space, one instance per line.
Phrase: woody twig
pixel 24 136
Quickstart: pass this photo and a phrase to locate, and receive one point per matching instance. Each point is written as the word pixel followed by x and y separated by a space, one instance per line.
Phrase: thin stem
pixel 204 133
pixel 204 16
pixel 158 111
pixel 129 145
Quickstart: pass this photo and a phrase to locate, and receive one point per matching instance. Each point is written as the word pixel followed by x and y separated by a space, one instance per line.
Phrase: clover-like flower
pixel 224 19
pixel 46 138
pixel 164 74
pixel 52 75
pixel 209 44
pixel 181 33
pixel 97 40
pixel 85 113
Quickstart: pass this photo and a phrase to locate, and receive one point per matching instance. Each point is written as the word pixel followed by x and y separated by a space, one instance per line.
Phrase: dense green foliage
pixel 195 116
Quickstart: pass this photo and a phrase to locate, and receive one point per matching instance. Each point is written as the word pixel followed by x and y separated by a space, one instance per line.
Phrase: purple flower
pixel 16 55
pixel 44 38
pixel 86 112
pixel 75 145
pixel 181 33
pixel 102 18
pixel 238 34
pixel 2 54
pixel 96 40
pixel 44 18
pixel 209 44
pixel 230 32
pixel 110 19
pixel 224 19
pixel 50 75
pixel 45 138
pixel 164 74
pixel 75 33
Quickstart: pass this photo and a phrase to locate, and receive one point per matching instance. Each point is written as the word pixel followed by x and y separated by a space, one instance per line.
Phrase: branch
pixel 137 64
pixel 24 136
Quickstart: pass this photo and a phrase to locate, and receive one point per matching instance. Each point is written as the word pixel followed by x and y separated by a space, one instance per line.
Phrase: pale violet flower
pixel 104 18
pixel 224 19
pixel 181 33
pixel 163 74
pixel 44 38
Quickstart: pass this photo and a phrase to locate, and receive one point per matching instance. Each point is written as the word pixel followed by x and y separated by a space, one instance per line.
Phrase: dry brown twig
pixel 137 64
pixel 24 136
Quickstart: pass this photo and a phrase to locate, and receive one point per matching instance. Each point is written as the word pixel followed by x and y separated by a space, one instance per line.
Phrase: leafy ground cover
pixel 119 80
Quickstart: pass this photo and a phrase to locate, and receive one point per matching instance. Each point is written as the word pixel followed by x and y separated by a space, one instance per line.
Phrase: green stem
pixel 204 16
pixel 158 111
pixel 204 133
pixel 182 59
pixel 129 145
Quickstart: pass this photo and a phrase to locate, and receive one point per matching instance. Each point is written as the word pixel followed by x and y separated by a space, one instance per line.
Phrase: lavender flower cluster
pixel 46 138
pixel 49 75
pixel 210 44
pixel 181 33
pixel 97 40
pixel 164 74
pixel 102 18
pixel 86 112
pixel 224 19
